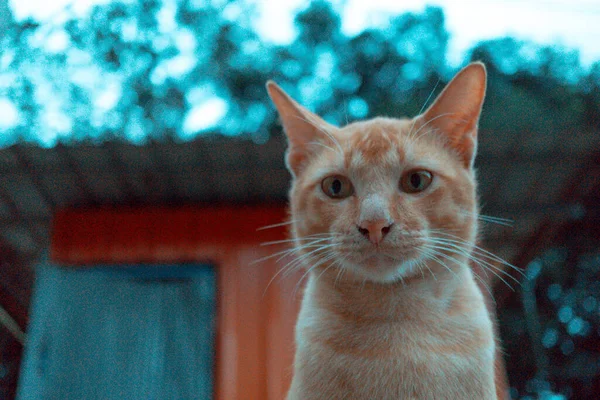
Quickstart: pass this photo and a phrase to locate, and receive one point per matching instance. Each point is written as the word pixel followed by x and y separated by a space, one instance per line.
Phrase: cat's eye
pixel 337 187
pixel 415 181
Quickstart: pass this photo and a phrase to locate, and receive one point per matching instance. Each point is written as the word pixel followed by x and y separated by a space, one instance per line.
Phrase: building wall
pixel 255 314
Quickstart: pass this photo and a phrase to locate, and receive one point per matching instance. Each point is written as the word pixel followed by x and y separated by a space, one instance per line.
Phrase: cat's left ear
pixel 455 113
pixel 302 127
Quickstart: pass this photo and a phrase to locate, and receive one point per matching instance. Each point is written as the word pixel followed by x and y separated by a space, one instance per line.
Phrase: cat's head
pixel 385 198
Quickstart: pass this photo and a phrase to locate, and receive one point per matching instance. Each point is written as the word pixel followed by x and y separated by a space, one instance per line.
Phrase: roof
pixel 528 179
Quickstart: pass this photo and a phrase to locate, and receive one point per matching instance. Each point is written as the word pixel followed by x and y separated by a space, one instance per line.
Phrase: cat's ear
pixel 302 127
pixel 455 112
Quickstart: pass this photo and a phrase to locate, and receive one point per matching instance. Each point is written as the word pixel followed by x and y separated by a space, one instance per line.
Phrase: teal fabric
pixel 118 333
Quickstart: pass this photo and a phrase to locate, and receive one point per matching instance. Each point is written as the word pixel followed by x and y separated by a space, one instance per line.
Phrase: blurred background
pixel 136 137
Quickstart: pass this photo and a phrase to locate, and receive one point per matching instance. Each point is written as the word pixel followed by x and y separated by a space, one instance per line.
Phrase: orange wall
pixel 255 325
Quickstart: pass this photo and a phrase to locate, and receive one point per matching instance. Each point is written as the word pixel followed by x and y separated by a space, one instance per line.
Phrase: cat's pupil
pixel 336 186
pixel 415 181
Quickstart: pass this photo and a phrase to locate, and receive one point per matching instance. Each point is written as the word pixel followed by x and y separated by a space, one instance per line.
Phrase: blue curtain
pixel 121 333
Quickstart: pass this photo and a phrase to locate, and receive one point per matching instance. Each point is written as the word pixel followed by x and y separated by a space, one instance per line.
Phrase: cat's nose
pixel 376 230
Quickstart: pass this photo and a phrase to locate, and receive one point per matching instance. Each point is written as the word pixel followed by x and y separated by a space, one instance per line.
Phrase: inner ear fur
pixel 301 126
pixel 455 112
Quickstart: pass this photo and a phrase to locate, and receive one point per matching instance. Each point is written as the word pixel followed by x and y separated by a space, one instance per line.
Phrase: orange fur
pixel 383 317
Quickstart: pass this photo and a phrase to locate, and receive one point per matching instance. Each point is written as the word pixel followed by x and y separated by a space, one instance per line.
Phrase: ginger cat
pixel 384 216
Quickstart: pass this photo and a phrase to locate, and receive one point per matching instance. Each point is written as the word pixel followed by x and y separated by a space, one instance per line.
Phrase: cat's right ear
pixel 302 127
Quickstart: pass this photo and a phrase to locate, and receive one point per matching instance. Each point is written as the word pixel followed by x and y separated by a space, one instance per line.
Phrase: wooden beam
pixel 157 234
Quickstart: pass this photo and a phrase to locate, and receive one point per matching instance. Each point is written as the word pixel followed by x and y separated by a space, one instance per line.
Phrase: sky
pixel 571 23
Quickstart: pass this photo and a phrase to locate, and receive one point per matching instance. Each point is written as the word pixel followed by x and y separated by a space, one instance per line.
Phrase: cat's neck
pixel 354 299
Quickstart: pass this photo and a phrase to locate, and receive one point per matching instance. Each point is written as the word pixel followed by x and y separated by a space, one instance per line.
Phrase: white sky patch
pixel 204 115
pixel 173 67
pixel 276 19
pixel 55 125
pixel 57 42
pixel 49 9
pixel 9 114
pixel 57 121
pixel 108 98
pixel 571 23
pixel 185 40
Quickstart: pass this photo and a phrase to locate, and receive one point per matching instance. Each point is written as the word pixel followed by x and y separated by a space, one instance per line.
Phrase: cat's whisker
pixel 364 282
pixel 308 243
pixel 320 238
pixel 292 263
pixel 262 228
pixel 499 219
pixel 423 107
pixel 434 253
pixel 289 266
pixel 475 255
pixel 486 286
pixel 340 272
pixel 489 218
pixel 286 252
pixel 333 264
pixel 424 263
pixel 420 265
pixel 311 244
pixel 307 256
pixel 322 145
pixel 484 265
pixel 326 258
pixel 458 249
pixel 428 254
pixel 283 252
pixel 495 221
pixel 429 97
pixel 458 240
pixel 415 136
pixel 345 109
pixel 323 131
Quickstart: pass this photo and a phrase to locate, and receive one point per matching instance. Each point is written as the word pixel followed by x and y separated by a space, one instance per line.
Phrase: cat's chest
pixel 397 362
pixel 412 336
pixel 411 341
pixel 351 377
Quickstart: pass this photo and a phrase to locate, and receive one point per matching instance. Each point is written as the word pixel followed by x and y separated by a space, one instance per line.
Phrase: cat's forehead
pixel 381 140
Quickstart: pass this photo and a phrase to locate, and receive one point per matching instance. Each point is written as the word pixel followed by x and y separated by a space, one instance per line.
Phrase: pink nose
pixel 375 231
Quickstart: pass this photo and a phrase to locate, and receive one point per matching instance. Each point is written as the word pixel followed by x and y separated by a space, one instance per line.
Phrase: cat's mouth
pixel 381 264
pixel 378 260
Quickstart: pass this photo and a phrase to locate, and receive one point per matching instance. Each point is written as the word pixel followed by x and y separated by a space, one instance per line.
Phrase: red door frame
pixel 254 342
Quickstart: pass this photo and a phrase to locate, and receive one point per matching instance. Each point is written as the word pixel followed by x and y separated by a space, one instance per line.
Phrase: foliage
pixel 166 70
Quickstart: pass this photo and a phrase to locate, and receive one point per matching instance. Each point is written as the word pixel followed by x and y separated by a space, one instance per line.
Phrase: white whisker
pixel 321 237
pixel 489 218
pixel 423 106
pixel 326 258
pixel 480 251
pixel 323 131
pixel 277 225
pixel 483 264
pixel 415 137
pixel 322 145
pixel 471 256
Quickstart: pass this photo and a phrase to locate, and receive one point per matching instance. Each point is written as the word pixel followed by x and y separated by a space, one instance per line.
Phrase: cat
pixel 384 215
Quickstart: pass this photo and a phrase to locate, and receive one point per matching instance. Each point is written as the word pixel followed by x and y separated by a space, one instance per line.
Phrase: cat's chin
pixel 383 268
